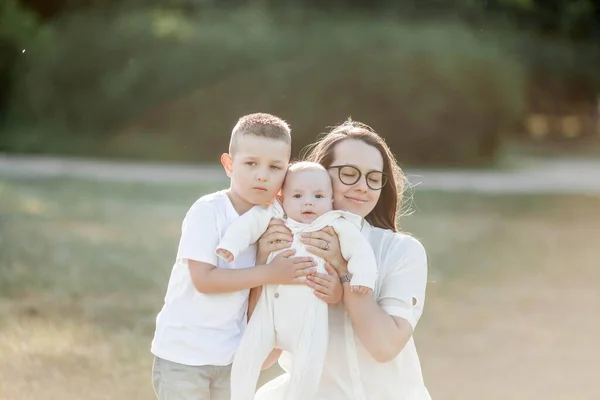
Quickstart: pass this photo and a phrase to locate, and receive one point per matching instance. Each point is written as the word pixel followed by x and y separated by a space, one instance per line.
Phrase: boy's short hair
pixel 262 125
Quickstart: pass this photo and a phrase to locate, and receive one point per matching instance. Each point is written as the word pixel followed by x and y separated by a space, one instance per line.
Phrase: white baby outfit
pixel 291 317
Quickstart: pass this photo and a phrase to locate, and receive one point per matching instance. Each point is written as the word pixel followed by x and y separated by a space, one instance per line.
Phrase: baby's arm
pixel 199 238
pixel 243 231
pixel 357 250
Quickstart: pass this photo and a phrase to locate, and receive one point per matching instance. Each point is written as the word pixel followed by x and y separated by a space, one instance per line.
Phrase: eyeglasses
pixel 349 175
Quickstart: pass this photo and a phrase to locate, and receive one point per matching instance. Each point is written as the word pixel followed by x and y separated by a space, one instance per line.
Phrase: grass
pixel 511 308
pixel 521 152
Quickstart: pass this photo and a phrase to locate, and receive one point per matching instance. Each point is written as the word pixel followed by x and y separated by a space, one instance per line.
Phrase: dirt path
pixel 562 176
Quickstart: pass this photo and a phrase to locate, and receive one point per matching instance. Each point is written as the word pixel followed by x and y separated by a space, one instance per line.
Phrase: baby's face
pixel 307 194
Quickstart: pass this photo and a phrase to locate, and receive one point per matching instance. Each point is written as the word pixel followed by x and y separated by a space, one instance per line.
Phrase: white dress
pixel 399 291
pixel 291 317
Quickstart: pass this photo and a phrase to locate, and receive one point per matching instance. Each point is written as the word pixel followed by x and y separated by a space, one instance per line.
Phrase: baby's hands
pixel 361 290
pixel 225 254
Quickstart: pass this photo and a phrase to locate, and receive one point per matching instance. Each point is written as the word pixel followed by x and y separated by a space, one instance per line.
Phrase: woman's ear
pixel 227 163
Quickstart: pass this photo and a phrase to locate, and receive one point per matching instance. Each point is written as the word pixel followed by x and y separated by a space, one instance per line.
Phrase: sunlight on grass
pixel 51 359
pixel 33 206
pixel 84 268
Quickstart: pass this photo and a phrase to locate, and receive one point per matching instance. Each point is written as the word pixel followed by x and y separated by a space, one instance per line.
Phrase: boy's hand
pixel 288 270
pixel 276 237
pixel 225 254
pixel 327 287
pixel 361 290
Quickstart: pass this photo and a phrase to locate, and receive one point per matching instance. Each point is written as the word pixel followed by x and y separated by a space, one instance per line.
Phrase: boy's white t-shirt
pixel 195 328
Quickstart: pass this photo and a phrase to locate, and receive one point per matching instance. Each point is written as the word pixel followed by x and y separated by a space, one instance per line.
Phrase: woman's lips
pixel 356 200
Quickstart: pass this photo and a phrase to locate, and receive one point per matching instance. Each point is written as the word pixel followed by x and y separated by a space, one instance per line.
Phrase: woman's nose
pixel 361 185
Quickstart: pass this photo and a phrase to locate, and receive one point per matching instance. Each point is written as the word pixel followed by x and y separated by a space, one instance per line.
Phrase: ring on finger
pixel 326 246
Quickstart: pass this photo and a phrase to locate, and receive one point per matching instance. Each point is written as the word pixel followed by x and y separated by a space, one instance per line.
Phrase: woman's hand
pixel 327 287
pixel 326 244
pixel 276 237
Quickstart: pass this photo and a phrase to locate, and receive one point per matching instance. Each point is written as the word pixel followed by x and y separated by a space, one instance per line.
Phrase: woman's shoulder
pixel 397 243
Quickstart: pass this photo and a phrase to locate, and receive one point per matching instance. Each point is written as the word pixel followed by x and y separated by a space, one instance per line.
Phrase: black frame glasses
pixel 344 178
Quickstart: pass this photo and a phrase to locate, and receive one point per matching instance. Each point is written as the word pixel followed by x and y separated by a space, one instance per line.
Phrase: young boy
pixel 203 318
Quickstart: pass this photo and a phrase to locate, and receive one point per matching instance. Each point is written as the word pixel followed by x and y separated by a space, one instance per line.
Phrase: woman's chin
pixel 359 209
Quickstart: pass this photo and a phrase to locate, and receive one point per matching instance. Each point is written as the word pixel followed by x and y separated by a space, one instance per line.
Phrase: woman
pixel 384 365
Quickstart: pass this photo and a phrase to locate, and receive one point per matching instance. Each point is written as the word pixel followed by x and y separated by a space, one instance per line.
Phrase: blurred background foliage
pixel 445 82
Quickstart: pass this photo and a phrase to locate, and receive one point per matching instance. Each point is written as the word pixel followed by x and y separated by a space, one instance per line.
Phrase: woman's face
pixel 358 198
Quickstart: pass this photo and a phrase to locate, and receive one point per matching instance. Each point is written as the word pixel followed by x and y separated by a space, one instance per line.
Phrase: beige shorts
pixel 174 381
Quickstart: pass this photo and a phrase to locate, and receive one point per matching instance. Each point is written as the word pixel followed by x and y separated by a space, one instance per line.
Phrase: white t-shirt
pixel 402 265
pixel 195 328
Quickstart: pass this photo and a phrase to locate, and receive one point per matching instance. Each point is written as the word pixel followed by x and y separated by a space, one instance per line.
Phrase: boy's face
pixel 257 169
pixel 307 194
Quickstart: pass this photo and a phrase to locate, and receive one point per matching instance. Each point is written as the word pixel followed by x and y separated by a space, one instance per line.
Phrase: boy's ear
pixel 227 163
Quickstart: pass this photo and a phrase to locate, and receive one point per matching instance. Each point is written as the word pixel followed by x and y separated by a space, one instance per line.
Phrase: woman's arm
pixel 384 336
pixel 384 326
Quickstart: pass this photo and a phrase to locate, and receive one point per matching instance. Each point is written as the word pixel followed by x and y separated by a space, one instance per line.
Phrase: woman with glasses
pixel 384 365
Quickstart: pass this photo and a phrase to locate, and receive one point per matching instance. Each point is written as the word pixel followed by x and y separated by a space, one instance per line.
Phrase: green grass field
pixel 511 311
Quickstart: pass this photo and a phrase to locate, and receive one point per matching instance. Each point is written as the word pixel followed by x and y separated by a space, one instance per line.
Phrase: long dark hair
pixel 385 213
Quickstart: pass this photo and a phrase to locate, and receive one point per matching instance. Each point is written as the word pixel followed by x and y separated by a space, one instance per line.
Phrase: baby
pixel 291 317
